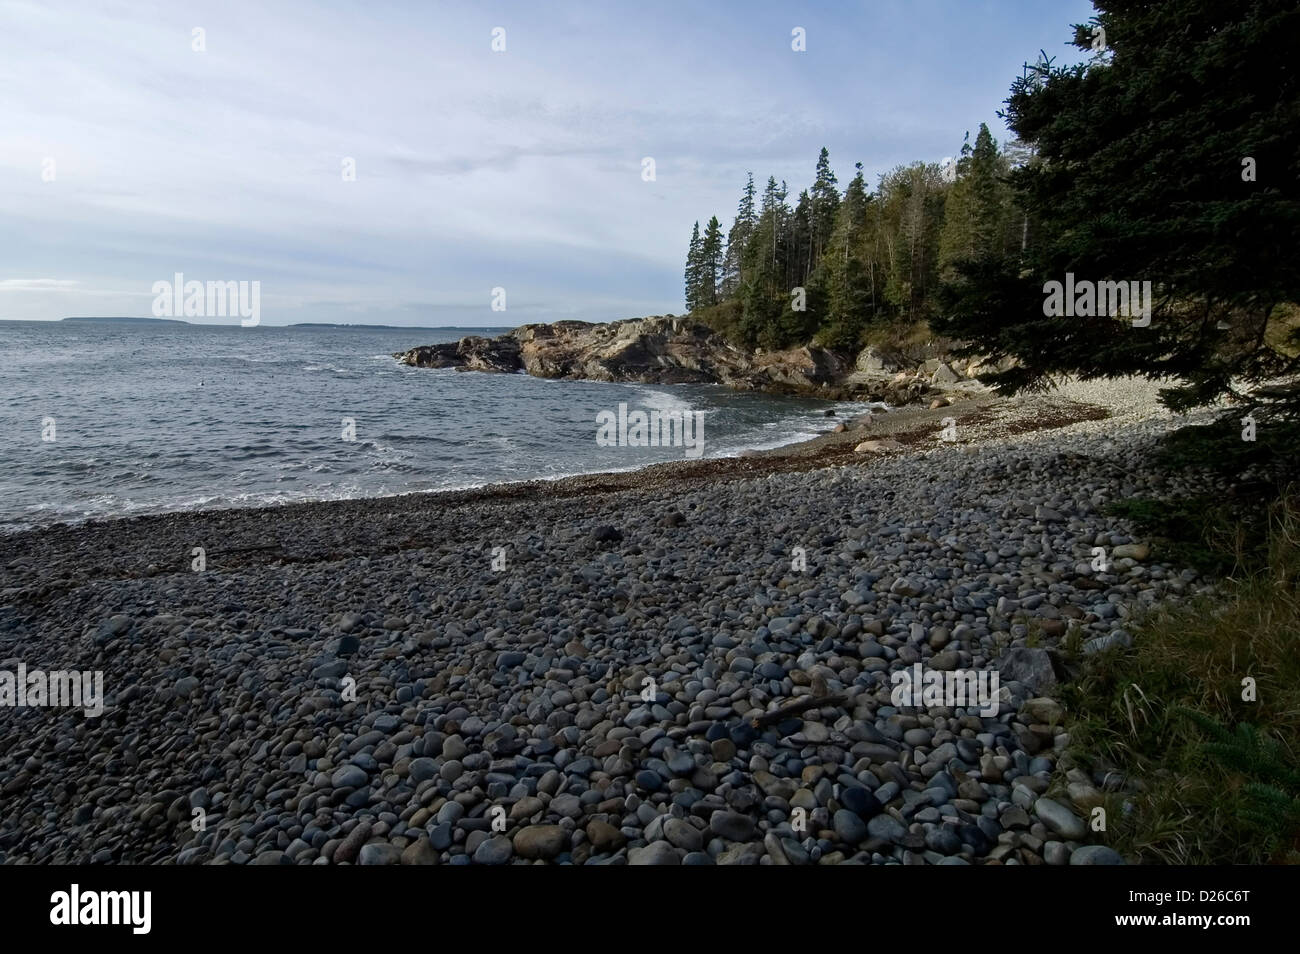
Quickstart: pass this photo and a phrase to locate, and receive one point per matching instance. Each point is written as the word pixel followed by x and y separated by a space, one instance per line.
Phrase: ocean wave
pixel 665 402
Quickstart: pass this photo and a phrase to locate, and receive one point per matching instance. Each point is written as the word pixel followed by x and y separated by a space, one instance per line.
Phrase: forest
pixel 1168 154
pixel 834 265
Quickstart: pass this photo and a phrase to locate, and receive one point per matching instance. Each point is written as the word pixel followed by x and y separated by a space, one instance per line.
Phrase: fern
pixel 1270 808
pixel 1207 725
pixel 1271 802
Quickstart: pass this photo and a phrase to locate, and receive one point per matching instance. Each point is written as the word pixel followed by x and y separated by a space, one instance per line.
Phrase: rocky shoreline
pixel 667 349
pixel 370 682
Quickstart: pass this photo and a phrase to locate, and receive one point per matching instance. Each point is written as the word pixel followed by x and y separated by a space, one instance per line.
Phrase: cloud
pixel 474 168
pixel 37 284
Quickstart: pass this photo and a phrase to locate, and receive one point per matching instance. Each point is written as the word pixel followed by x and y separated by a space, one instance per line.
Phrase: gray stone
pixel 731 826
pixel 380 853
pixel 1095 855
pixel 849 827
pixel 887 827
pixel 1028 665
pixel 540 841
pixel 349 776
pixel 655 853
pixel 682 834
pixel 1060 819
pixel 493 851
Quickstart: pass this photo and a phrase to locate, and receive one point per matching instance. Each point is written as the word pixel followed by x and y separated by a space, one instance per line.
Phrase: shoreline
pixel 17 529
pixel 361 682
pixel 978 416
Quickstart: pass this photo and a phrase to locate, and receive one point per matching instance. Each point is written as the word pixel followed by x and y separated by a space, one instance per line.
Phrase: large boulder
pixel 1032 667
pixel 499 355
pixel 871 361
pixel 432 356
pixel 944 375
pixel 472 353
pixel 799 369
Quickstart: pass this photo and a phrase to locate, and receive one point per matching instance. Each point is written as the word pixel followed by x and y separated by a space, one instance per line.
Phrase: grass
pixel 1150 712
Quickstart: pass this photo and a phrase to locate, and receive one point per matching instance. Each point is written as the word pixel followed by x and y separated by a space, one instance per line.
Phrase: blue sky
pixel 475 169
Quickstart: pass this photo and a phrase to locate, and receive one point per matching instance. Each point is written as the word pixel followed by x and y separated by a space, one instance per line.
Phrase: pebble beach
pixel 687 664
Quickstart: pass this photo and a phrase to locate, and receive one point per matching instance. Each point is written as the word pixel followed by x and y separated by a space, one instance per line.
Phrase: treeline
pixel 1169 156
pixel 834 265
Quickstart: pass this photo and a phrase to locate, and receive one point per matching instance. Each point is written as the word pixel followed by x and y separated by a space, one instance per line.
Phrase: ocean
pixel 113 419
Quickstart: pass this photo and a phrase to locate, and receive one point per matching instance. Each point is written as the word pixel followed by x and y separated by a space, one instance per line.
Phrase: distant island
pixel 302 324
pixel 127 320
pixel 330 324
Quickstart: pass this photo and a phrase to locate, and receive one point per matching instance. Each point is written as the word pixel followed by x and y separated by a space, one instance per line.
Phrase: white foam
pixel 662 401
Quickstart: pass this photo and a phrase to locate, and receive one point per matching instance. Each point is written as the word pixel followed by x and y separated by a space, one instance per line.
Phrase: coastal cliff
pixel 667 349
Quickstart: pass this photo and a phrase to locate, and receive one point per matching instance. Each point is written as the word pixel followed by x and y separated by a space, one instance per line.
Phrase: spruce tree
pixel 693 258
pixel 1170 158
pixel 825 200
pixel 742 229
pixel 710 264
pixel 842 272
pixel 978 207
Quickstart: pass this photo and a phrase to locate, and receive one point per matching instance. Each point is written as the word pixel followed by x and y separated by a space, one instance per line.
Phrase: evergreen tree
pixel 742 229
pixel 693 260
pixel 825 200
pixel 764 266
pixel 1143 172
pixel 990 194
pixel 957 240
pixel 978 209
pixel 800 259
pixel 842 271
pixel 710 264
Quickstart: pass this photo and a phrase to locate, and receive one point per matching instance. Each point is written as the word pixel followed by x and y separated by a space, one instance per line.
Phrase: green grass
pixel 1150 711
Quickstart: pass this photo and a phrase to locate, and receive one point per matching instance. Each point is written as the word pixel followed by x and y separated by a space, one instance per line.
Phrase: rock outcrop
pixel 473 353
pixel 674 350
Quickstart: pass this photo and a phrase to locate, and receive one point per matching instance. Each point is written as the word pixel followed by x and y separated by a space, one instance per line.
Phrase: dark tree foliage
pixel 1142 172
pixel 694 258
pixel 709 271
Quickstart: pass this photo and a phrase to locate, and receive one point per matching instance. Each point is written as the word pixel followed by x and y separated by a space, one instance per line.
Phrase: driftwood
pixel 799 705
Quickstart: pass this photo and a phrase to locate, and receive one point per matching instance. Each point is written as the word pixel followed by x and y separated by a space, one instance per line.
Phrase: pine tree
pixel 990 194
pixel 764 263
pixel 693 259
pixel 1150 167
pixel 978 210
pixel 842 271
pixel 825 200
pixel 909 221
pixel 957 240
pixel 710 264
pixel 742 229
pixel 1271 795
pixel 799 261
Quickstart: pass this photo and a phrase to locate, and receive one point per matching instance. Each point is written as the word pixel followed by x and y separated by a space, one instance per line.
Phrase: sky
pixel 127 155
